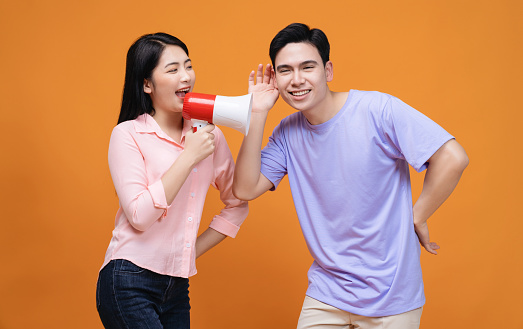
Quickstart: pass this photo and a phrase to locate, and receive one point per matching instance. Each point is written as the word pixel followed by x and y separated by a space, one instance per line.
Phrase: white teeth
pixel 300 93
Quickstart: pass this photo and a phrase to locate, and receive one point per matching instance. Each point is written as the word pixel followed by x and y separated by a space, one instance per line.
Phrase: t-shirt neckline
pixel 327 124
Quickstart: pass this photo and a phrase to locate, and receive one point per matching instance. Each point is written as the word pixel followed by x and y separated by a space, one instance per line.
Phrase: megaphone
pixel 233 112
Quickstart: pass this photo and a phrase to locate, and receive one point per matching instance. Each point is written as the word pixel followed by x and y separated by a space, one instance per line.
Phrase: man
pixel 347 156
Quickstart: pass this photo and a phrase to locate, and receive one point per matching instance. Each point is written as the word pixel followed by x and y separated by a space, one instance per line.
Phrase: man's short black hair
pixel 298 32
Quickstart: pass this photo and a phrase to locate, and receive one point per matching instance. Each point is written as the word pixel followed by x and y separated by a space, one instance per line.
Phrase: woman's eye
pixel 174 70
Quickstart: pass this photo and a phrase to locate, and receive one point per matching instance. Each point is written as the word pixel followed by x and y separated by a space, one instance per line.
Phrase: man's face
pixel 301 77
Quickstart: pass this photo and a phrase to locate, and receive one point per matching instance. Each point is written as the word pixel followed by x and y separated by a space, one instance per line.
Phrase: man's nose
pixel 297 78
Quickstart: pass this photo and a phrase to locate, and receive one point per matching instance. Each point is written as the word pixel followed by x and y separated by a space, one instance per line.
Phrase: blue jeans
pixel 128 296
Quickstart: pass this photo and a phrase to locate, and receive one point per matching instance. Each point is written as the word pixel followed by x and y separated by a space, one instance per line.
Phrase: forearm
pixel 248 163
pixel 175 176
pixel 208 239
pixel 443 174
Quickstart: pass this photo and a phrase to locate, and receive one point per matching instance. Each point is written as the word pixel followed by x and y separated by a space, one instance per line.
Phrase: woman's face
pixel 171 79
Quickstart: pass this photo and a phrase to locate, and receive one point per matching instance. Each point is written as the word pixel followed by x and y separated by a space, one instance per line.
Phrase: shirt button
pixel 195 169
pixel 188 245
pixel 192 194
pixel 189 219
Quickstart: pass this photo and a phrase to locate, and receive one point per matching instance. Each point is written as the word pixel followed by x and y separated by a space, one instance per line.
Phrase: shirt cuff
pixel 221 225
pixel 158 195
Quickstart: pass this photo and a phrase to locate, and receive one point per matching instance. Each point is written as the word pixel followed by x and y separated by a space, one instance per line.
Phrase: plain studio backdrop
pixel 62 65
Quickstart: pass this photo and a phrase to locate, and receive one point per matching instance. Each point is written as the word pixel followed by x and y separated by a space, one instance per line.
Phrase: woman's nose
pixel 185 76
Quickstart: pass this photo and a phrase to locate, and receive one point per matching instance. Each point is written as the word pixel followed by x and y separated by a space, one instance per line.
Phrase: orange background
pixel 62 63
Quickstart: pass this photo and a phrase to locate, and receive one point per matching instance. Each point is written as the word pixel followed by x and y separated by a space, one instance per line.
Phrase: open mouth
pixel 181 92
pixel 299 93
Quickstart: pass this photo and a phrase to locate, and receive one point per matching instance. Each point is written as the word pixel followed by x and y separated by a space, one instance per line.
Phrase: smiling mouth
pixel 299 93
pixel 181 93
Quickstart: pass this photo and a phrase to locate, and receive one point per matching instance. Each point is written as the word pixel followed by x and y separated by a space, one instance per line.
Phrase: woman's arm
pixel 145 202
pixel 208 239
pixel 198 146
pixel 228 221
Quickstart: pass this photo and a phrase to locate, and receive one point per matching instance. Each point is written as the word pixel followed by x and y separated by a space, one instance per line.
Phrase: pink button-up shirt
pixel 148 231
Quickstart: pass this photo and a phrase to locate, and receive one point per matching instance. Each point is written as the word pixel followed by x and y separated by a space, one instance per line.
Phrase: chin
pixel 298 107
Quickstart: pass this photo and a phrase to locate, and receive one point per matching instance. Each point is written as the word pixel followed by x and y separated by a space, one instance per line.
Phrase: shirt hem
pixel 177 275
pixel 366 311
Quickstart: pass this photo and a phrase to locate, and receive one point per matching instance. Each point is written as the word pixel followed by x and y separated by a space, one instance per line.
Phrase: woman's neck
pixel 171 123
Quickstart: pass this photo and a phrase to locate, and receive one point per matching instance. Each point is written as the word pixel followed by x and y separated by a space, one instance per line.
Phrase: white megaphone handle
pixel 197 124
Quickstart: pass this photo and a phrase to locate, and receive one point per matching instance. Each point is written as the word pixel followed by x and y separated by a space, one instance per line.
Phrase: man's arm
pixel 249 182
pixel 443 173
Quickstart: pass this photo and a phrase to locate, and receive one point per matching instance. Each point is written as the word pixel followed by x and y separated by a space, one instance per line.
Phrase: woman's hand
pixel 265 92
pixel 199 145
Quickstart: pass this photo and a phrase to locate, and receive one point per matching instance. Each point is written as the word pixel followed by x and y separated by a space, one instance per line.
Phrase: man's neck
pixel 330 106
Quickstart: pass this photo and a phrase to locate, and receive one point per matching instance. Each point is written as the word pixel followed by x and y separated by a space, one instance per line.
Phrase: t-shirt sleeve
pixel 415 136
pixel 273 157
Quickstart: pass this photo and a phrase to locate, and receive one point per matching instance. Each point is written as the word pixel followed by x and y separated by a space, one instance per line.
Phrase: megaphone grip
pixel 198 124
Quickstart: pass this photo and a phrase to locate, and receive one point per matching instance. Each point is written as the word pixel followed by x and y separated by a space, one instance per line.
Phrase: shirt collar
pixel 145 123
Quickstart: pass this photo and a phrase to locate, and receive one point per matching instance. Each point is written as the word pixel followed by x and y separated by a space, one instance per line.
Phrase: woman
pixel 161 171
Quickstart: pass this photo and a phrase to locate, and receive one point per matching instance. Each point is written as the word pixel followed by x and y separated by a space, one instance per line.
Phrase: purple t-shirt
pixel 349 179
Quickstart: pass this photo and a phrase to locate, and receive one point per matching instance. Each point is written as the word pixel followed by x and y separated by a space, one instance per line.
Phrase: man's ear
pixel 273 78
pixel 147 86
pixel 329 71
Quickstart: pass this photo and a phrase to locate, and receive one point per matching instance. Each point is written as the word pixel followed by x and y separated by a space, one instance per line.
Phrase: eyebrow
pixel 279 67
pixel 176 63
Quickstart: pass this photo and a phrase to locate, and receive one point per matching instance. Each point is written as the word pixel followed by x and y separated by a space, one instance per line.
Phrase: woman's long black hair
pixel 142 58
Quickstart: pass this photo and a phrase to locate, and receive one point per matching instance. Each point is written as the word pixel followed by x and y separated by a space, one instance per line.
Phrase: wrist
pixel 419 220
pixel 259 115
pixel 258 120
pixel 418 214
pixel 187 159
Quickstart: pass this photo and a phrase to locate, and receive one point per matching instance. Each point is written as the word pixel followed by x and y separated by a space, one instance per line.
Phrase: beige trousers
pixel 318 315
